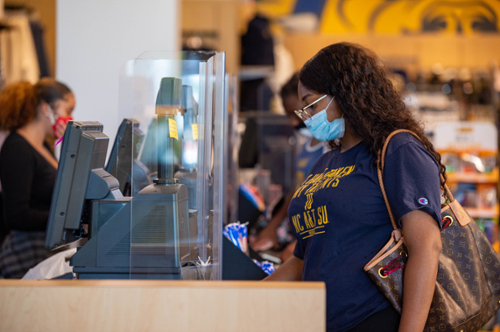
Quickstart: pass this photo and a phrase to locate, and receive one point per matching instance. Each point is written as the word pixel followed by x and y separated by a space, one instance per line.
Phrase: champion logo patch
pixel 423 201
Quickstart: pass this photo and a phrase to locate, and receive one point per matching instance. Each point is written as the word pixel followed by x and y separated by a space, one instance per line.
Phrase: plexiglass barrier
pixel 173 142
pixel 232 106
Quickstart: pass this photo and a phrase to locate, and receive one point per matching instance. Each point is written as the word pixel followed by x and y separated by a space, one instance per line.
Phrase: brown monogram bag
pixel 467 290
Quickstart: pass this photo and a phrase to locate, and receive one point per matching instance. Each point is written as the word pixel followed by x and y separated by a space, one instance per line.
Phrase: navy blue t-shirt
pixel 340 219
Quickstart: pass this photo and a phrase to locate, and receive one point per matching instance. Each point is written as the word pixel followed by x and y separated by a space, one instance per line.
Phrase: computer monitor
pixel 148 153
pixel 83 154
pixel 123 158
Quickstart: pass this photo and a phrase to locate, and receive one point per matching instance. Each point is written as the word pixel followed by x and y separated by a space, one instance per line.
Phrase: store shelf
pixel 473 177
pixel 482 213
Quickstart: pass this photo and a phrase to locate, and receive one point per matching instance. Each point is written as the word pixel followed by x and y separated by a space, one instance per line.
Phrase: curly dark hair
pixel 371 105
pixel 19 101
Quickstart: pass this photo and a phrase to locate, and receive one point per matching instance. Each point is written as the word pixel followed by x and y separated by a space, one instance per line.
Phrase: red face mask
pixel 61 119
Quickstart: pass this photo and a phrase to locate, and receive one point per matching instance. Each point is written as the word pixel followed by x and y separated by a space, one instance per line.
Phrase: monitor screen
pixel 127 143
pixel 83 149
pixel 148 153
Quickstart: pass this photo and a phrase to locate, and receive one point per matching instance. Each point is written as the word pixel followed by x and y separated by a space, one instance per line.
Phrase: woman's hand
pixel 267 239
pixel 423 241
pixel 60 128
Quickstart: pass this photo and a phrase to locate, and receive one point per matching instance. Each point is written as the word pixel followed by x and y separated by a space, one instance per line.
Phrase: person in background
pixel 339 215
pixel 28 168
pixel 311 150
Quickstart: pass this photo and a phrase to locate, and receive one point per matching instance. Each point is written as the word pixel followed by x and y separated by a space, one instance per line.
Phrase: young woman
pixel 28 169
pixel 338 213
pixel 62 101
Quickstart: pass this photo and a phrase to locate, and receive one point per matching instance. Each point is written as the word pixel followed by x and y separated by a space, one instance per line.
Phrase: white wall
pixel 96 37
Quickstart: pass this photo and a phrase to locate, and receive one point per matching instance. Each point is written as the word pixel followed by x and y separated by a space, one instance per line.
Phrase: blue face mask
pixel 323 130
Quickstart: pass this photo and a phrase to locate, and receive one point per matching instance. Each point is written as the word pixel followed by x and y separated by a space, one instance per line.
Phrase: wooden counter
pixel 132 305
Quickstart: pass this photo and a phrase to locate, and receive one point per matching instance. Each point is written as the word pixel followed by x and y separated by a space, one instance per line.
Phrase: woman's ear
pixel 44 109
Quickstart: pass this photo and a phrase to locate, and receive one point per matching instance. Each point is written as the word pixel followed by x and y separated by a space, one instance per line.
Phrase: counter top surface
pixel 160 283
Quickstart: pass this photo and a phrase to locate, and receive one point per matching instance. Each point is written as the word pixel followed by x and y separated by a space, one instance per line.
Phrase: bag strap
pixel 380 170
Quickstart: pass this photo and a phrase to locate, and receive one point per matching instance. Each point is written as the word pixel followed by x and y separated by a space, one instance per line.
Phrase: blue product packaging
pixel 266 266
pixel 238 234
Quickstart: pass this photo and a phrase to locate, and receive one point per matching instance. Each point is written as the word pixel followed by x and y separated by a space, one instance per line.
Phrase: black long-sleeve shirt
pixel 27 184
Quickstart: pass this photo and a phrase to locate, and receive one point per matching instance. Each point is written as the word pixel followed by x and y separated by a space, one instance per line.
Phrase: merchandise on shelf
pixel 489 227
pixel 469 152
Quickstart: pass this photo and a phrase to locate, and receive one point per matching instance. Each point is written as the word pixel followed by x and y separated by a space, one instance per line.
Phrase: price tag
pixel 172 126
pixel 194 127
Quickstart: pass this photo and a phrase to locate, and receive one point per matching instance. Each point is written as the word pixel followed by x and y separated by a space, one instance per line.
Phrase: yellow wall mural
pixel 395 17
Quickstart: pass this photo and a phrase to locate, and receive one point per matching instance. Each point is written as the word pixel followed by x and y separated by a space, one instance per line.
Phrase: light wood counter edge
pixel 161 283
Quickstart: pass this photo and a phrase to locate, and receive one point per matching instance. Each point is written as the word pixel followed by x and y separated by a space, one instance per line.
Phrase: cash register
pixel 147 236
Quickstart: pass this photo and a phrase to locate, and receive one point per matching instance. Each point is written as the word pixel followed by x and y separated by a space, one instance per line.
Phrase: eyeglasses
pixel 303 114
